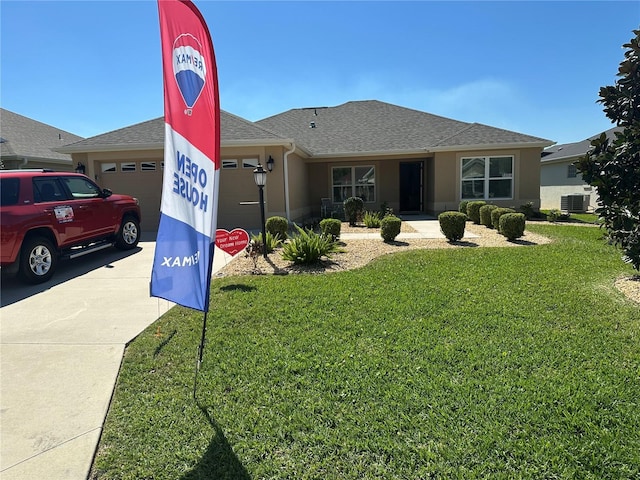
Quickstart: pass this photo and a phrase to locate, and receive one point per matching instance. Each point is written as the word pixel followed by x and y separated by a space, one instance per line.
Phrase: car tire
pixel 38 260
pixel 129 234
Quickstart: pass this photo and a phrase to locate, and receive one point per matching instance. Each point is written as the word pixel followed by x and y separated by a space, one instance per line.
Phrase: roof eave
pixel 265 142
pixel 372 153
pixel 492 146
pixel 159 146
pixel 109 147
pixel 562 159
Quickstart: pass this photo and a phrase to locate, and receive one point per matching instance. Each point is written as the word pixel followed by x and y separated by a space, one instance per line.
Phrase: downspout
pixel 286 181
pixel 23 164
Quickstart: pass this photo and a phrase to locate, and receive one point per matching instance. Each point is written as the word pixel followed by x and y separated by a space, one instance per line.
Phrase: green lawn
pixel 455 364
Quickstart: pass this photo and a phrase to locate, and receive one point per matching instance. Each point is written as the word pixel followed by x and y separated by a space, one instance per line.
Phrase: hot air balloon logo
pixel 189 68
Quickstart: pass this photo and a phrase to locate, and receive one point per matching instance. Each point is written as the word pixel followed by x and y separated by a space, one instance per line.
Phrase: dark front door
pixel 411 191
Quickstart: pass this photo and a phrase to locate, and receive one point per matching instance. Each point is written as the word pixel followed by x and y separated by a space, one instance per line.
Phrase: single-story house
pixel 559 176
pixel 412 161
pixel 27 143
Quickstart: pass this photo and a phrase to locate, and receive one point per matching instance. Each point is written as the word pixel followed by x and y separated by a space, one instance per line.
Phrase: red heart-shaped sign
pixel 232 242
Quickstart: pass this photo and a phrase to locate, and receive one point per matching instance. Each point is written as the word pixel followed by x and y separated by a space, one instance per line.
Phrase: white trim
pixel 287 207
pixel 159 146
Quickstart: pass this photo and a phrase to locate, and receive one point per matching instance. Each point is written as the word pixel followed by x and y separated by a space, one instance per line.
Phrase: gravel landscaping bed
pixel 358 253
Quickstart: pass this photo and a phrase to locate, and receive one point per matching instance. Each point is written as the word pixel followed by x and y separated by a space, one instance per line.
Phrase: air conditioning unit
pixel 575 203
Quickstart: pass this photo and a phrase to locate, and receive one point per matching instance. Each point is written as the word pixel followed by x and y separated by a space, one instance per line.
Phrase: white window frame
pixel 486 179
pixel 128 167
pixel 147 166
pixel 250 163
pixel 572 170
pixel 352 189
pixel 229 163
pixel 108 167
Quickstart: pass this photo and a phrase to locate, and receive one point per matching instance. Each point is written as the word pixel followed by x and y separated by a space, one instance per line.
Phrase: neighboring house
pixel 26 143
pixel 413 161
pixel 559 176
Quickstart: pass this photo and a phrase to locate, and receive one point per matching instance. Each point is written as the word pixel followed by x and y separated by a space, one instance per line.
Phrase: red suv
pixel 47 215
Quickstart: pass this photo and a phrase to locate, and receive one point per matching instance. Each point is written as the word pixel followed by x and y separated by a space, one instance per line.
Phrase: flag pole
pixel 212 249
pixel 200 354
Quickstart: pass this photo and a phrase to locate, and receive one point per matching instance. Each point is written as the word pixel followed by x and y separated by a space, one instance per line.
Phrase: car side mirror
pixel 106 193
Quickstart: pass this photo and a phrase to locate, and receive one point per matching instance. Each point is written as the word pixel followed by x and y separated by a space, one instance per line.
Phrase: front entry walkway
pixel 424 226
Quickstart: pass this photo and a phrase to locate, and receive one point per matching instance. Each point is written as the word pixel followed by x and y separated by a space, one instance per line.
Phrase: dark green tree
pixel 613 165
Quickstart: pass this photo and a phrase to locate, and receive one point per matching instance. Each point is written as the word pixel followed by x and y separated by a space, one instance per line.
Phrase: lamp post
pixel 260 177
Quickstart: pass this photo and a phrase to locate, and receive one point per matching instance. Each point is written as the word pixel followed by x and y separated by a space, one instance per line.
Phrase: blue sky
pixel 89 67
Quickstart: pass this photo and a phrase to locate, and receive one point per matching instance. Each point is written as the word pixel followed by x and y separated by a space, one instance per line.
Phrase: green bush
pixel 512 225
pixel 353 209
pixel 273 242
pixel 385 209
pixel 278 226
pixel 496 213
pixel 485 215
pixel 556 215
pixel 390 228
pixel 331 227
pixel 371 219
pixel 473 210
pixel 528 210
pixel 463 206
pixel 307 247
pixel 452 225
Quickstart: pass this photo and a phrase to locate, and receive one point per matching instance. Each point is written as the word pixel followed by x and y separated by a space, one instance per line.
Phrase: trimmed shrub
pixel 473 210
pixel 512 225
pixel 390 228
pixel 278 226
pixel 371 219
pixel 496 213
pixel 528 210
pixel 385 209
pixel 462 208
pixel 485 215
pixel 452 225
pixel 331 227
pixel 307 247
pixel 353 209
pixel 556 215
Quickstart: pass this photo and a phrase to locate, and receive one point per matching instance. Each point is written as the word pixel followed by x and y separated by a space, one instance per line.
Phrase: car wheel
pixel 129 234
pixel 38 260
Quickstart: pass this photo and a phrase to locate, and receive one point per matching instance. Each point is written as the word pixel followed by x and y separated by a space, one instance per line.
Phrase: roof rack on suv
pixel 28 170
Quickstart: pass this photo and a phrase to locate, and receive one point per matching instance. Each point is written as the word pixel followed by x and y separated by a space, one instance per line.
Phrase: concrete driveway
pixel 61 348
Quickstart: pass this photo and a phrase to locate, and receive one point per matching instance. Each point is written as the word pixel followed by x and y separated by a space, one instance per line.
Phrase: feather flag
pixel 185 243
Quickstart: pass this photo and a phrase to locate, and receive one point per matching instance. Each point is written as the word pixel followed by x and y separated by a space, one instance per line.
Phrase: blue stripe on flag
pixel 181 264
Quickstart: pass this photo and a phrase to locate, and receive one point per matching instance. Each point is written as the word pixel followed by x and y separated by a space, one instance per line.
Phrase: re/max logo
pixel 188 261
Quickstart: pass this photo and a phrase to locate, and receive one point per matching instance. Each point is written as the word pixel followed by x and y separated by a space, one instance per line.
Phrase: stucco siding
pixel 443 178
pixel 555 182
pixel 299 191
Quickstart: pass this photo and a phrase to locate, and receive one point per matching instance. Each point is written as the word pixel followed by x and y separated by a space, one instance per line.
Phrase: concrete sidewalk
pixel 62 344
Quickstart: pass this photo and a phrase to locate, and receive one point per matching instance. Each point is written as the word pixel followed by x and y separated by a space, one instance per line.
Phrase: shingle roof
pixel 150 134
pixel 362 127
pixel 576 149
pixel 24 137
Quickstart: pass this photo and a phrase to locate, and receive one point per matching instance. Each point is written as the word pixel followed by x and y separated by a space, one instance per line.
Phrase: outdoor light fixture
pixel 260 177
pixel 270 162
pixel 80 168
